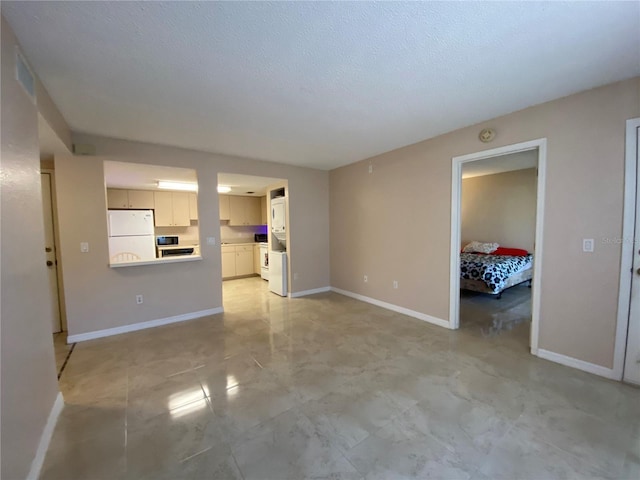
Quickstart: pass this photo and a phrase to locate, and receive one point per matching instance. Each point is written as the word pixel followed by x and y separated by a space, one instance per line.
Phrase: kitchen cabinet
pixel 193 206
pixel 131 199
pixel 256 259
pixel 244 260
pixel 224 207
pixel 264 211
pixel 171 209
pixel 228 261
pixel 237 260
pixel 244 211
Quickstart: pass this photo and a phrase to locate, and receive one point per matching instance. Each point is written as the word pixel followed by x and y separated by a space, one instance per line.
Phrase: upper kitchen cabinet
pixel 244 211
pixel 224 207
pixel 172 209
pixel 193 206
pixel 264 212
pixel 132 199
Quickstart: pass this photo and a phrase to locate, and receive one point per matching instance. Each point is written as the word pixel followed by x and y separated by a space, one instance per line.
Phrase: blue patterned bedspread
pixel 493 270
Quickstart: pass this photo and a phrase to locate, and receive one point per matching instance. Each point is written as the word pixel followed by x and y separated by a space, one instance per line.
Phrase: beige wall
pixel 500 208
pixel 28 378
pixel 99 297
pixel 395 222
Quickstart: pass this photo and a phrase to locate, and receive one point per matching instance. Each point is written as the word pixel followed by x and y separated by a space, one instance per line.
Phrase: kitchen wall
pixel 27 366
pixel 99 297
pixel 240 234
pixel 500 208
pixel 394 224
pixel 188 235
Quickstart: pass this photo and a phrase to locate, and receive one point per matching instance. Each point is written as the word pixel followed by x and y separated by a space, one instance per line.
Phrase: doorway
pixel 50 248
pixel 539 147
pixel 626 364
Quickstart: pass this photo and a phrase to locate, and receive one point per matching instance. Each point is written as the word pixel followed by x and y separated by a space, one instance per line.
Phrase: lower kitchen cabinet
pixel 228 262
pixel 237 260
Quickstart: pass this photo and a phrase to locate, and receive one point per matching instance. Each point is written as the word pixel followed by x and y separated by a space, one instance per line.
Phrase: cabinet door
pixel 163 209
pixel 237 207
pixel 252 211
pixel 256 259
pixel 244 261
pixel 180 201
pixel 228 264
pixel 141 199
pixel 117 198
pixel 264 213
pixel 193 206
pixel 224 207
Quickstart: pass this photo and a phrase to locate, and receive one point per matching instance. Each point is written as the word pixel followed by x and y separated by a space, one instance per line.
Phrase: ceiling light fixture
pixel 191 187
pixel 223 189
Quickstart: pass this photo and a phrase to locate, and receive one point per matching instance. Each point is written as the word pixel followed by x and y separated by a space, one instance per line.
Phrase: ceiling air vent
pixel 25 76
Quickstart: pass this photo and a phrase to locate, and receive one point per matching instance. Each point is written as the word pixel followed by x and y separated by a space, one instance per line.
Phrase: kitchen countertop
pixel 226 244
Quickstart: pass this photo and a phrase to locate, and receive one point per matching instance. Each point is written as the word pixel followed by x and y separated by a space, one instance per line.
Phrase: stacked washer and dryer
pixel 278 255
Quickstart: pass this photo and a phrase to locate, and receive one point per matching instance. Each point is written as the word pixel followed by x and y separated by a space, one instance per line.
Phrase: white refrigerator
pixel 131 236
pixel 278 272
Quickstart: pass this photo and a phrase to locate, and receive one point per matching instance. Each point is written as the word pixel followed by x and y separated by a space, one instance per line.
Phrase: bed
pixel 493 274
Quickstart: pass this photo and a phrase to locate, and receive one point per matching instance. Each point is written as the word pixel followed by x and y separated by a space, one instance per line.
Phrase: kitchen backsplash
pixel 188 235
pixel 240 234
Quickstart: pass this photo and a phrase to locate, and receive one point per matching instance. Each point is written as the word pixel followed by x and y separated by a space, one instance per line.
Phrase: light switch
pixel 84 247
pixel 211 240
pixel 587 245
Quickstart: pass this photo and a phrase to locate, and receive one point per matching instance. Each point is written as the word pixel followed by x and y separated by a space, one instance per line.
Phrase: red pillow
pixel 514 252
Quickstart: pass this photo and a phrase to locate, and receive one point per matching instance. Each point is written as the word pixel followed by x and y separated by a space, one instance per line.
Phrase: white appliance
pixel 264 261
pixel 278 272
pixel 279 219
pixel 131 236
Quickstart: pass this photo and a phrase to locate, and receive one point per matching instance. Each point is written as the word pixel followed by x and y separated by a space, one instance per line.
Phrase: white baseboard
pixel 107 332
pixel 304 293
pixel 579 364
pixel 45 438
pixel 394 308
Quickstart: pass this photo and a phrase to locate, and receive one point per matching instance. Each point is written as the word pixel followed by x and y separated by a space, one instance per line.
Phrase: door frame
pixel 456 190
pixel 627 244
pixel 56 236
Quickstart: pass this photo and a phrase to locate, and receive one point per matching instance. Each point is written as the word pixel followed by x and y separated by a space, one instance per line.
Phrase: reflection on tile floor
pixel 330 387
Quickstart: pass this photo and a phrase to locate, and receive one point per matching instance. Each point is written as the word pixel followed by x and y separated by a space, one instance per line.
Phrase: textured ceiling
pixel 318 84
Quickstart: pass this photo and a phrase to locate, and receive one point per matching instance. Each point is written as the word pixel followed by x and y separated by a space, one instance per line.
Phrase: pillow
pixel 514 252
pixel 480 247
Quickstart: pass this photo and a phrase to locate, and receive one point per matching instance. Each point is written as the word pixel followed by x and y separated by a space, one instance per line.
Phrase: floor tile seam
pixel 565 452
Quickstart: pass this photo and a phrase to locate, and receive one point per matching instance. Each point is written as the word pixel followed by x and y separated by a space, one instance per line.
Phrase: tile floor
pixel 330 387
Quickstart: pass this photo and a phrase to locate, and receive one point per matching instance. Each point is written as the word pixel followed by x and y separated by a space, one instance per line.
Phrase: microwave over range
pixel 169 246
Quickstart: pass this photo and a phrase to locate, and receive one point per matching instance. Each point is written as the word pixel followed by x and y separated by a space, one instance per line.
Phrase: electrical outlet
pixel 370 168
pixel 211 240
pixel 395 284
pixel 139 299
pixel 366 279
pixel 84 247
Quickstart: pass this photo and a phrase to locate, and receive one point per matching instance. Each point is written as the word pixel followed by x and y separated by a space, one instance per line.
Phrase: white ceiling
pixel 317 84
pixel 243 184
pixel 144 177
pixel 503 163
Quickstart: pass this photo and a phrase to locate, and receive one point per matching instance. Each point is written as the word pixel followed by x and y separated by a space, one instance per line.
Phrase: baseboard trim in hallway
pixel 394 308
pixel 579 364
pixel 107 332
pixel 45 438
pixel 313 291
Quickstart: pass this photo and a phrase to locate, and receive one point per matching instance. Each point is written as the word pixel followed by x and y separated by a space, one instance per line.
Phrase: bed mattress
pixel 493 270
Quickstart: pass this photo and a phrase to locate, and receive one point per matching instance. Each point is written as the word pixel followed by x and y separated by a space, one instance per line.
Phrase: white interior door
pixel 50 251
pixel 632 358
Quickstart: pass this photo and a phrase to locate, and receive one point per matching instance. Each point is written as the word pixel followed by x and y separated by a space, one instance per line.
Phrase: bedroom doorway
pixel 502 289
